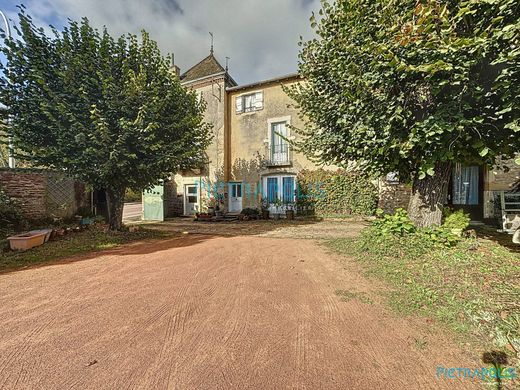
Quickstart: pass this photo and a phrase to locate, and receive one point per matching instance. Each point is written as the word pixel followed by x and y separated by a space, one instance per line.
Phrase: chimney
pixel 174 67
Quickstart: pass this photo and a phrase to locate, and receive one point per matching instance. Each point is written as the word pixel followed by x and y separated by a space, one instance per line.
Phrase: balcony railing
pixel 279 155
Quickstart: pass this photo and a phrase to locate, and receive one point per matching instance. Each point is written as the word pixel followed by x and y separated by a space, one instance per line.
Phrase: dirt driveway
pixel 207 312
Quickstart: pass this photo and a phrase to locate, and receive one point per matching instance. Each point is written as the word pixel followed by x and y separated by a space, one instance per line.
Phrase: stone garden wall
pixel 42 193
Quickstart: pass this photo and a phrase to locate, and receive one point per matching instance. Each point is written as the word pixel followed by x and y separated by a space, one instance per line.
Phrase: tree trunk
pixel 429 195
pixel 115 202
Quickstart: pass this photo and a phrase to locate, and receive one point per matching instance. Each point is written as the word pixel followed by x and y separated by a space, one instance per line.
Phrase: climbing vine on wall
pixel 341 193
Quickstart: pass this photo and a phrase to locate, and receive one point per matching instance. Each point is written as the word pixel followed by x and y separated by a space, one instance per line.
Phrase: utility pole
pixel 12 162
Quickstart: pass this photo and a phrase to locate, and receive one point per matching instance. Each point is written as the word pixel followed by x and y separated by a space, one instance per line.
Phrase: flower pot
pixel 86 221
pixel 289 214
pixel 516 236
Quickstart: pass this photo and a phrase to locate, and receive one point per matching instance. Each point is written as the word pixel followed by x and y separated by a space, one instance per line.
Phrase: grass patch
pixel 94 239
pixel 472 287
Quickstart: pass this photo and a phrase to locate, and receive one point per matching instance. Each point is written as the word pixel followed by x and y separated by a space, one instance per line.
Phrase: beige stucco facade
pixel 241 155
pixel 251 136
pixel 211 89
pixel 248 162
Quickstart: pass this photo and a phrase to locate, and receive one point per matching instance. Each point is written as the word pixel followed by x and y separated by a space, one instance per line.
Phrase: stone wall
pixel 173 200
pixel 43 194
pixel 393 196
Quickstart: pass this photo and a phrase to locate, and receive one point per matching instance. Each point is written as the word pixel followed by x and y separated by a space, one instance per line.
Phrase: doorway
pixel 191 199
pixel 466 190
pixel 235 197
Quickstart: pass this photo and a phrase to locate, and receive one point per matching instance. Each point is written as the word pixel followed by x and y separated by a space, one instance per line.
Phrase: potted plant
pixel 247 214
pixel 265 208
pixel 218 202
pixel 212 203
pixel 289 211
pixel 278 205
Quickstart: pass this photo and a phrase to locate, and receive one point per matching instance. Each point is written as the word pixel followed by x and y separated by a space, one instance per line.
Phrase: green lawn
pixel 472 288
pixel 94 239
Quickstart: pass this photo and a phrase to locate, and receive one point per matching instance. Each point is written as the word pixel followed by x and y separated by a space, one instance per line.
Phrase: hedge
pixel 336 193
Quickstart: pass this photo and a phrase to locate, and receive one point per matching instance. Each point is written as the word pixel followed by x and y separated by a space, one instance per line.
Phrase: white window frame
pixel 279 177
pixel 257 98
pixel 185 203
pixel 270 122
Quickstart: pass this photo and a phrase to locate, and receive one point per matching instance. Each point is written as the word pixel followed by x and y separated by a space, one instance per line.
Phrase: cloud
pixel 261 37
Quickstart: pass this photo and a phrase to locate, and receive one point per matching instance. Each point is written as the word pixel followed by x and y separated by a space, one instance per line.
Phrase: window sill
pixel 248 112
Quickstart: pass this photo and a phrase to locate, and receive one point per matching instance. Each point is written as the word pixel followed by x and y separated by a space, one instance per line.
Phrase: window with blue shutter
pixel 288 189
pixel 272 189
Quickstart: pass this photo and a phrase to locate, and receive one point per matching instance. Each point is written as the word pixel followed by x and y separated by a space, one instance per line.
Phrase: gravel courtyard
pixel 233 309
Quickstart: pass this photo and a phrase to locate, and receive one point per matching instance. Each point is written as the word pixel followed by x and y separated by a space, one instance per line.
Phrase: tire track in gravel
pixel 233 315
pixel 223 313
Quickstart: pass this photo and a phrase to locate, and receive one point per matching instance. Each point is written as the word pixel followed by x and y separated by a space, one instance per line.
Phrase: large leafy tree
pixel 412 86
pixel 107 111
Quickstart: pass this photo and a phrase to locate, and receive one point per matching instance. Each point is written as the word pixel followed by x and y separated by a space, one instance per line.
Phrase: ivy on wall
pixel 340 193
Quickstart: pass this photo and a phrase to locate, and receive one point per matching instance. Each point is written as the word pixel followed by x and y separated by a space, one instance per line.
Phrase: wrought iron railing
pixel 279 155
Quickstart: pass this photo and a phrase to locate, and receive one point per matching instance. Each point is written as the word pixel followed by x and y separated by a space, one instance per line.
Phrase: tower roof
pixel 207 67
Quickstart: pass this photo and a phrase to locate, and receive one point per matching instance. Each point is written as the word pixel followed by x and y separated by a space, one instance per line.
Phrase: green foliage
pixel 109 112
pixel 94 239
pixel 456 219
pixel 396 224
pixel 336 193
pixel 439 235
pixel 4 155
pixel 399 224
pixel 249 211
pixel 11 218
pixel 399 86
pixel 133 196
pixel 470 288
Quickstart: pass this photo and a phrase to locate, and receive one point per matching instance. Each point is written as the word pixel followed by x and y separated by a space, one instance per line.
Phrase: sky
pixel 260 36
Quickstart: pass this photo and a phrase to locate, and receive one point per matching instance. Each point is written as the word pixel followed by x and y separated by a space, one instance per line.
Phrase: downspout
pixel 227 144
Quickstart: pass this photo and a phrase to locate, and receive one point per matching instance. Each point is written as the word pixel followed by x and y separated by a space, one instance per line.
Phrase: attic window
pixel 249 102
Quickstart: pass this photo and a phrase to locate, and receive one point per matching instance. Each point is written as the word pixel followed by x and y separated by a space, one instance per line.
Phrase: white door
pixel 235 197
pixel 191 199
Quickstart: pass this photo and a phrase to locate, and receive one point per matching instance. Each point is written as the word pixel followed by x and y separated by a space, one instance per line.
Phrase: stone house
pixel 488 195
pixel 250 158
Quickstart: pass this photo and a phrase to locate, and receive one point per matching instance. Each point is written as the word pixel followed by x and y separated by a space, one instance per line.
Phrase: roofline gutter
pixel 262 82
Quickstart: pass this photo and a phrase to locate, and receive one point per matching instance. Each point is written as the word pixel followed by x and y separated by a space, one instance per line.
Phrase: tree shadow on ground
pixel 229 228
pixel 503 239
pixel 178 233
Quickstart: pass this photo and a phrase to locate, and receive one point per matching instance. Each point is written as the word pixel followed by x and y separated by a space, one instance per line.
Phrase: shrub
pixel 249 211
pixel 439 235
pixel 336 192
pixel 399 224
pixel 11 218
pixel 132 196
pixel 456 219
pixel 396 224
